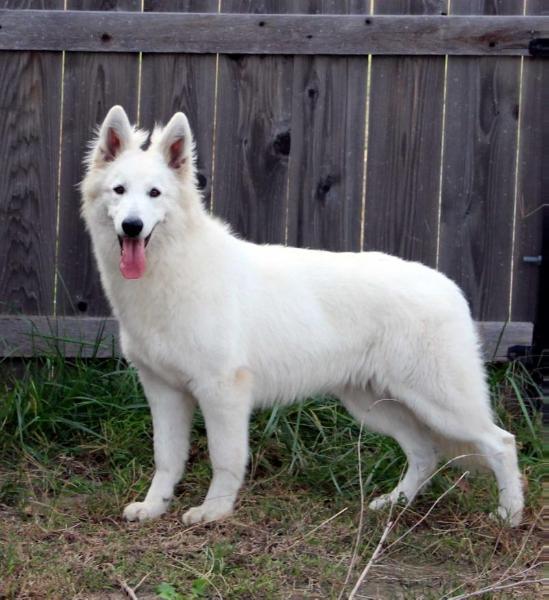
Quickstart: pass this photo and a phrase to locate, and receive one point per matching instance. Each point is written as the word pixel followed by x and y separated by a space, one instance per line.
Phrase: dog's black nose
pixel 132 227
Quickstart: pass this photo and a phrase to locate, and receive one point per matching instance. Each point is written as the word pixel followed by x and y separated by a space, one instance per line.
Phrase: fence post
pixel 540 347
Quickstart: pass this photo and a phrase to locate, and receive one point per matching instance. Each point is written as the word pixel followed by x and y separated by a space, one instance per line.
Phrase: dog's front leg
pixel 226 411
pixel 172 413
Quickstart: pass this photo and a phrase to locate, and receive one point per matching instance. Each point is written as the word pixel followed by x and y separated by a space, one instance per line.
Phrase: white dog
pixel 213 320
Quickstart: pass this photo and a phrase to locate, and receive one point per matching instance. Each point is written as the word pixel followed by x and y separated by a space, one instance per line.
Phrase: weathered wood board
pixel 533 177
pixel 404 148
pixel 30 86
pixel 93 83
pixel 252 139
pixel 478 179
pixel 98 337
pixel 69 336
pixel 327 154
pixel 275 34
pixel 182 82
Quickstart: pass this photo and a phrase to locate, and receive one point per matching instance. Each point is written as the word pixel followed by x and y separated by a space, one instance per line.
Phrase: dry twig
pixel 127 590
pixel 377 551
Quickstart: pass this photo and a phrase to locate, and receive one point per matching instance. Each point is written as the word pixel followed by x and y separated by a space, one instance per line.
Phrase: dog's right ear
pixel 115 136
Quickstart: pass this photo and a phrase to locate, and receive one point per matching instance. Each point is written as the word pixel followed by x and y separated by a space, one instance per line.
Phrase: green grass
pixel 75 446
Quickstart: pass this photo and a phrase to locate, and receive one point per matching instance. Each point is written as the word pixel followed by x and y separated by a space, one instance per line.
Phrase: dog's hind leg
pixel 460 412
pixel 392 418
pixel 226 405
pixel 499 450
pixel 172 413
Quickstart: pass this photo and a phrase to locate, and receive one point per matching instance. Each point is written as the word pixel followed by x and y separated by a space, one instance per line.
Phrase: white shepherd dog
pixel 213 320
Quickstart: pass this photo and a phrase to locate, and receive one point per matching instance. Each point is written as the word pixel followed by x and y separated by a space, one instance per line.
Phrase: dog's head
pixel 132 190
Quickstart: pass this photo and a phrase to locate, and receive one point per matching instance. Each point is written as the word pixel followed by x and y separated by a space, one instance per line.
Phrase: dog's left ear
pixel 177 145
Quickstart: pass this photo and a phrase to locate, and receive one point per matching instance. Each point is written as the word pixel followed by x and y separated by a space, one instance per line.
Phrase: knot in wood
pixel 324 186
pixel 282 143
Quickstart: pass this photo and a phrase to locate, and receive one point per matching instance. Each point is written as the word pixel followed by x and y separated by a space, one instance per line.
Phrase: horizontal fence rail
pixel 100 31
pixel 98 337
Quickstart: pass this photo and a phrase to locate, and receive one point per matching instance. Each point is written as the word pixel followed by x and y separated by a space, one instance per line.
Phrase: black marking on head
pixel 201 181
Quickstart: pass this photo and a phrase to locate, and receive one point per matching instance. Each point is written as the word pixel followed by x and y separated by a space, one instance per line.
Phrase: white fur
pixel 229 325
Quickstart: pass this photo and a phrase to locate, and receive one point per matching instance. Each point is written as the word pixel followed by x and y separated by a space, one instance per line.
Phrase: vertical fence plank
pixel 253 136
pixel 404 146
pixel 479 171
pixel 533 177
pixel 93 83
pixel 327 154
pixel 182 82
pixel 30 90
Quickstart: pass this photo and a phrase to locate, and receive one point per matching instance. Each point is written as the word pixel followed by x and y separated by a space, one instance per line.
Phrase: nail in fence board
pixel 479 172
pixel 533 176
pixel 30 88
pixel 404 143
pixel 252 139
pixel 182 82
pixel 327 154
pixel 93 83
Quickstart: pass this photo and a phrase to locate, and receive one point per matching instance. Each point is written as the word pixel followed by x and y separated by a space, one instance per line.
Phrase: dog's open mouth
pixel 132 256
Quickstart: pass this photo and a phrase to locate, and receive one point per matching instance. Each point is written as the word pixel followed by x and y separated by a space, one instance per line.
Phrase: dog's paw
pixel 512 519
pixel 141 511
pixel 209 511
pixel 381 502
pixel 387 500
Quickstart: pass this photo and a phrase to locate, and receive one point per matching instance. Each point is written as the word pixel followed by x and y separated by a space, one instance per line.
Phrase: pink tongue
pixel 132 261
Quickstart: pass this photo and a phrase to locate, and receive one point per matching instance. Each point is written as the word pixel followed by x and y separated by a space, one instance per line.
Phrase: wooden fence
pixel 415 127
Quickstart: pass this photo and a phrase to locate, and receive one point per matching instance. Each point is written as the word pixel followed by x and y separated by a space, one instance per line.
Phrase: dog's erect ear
pixel 176 144
pixel 115 135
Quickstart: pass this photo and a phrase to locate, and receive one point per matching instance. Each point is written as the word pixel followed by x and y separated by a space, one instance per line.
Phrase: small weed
pixel 166 591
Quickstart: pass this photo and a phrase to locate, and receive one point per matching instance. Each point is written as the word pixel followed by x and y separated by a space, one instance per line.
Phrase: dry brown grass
pixel 282 543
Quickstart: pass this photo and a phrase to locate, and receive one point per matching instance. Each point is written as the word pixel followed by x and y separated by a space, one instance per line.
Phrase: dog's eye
pixel 119 189
pixel 154 193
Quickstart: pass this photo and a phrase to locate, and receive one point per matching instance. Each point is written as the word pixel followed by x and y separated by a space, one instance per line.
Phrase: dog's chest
pixel 159 353
pixel 167 343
